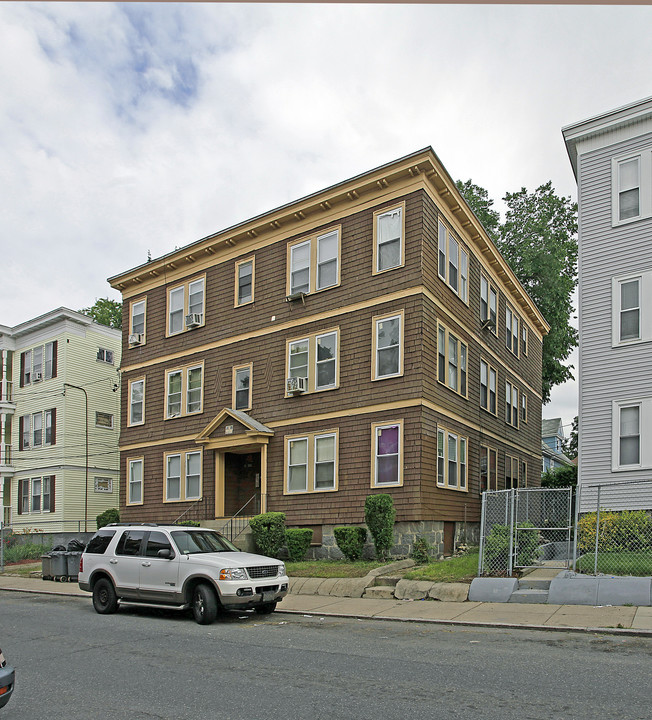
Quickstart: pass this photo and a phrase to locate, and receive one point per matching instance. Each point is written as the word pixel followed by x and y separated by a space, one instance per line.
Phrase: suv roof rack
pixel 127 524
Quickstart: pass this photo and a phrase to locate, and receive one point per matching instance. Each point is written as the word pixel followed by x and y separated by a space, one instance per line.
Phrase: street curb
pixel 634 632
pixel 46 592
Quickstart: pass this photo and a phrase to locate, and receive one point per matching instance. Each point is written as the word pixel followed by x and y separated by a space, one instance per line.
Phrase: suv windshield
pixel 201 541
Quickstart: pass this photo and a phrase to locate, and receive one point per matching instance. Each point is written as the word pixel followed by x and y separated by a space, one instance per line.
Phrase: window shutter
pixel 54 358
pixel 52 484
pixel 20 429
pixel 22 369
pixel 20 495
pixel 54 431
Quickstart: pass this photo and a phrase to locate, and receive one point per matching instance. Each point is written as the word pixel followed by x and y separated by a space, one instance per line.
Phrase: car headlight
pixel 281 569
pixel 233 574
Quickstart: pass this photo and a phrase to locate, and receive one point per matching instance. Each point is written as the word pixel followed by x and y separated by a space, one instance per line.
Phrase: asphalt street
pixel 140 664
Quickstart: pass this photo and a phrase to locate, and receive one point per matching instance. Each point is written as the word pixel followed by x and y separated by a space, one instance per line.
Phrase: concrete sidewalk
pixel 606 619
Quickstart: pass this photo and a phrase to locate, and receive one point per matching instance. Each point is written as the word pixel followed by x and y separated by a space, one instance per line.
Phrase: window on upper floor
pixel 453 262
pixel 451 460
pixel 488 381
pixel 511 404
pixel 387 347
pixel 631 428
pixel 488 469
pixel 488 303
pixel 137 309
pixel 184 391
pixel 523 407
pixel 511 472
pixel 511 330
pixel 452 359
pixel 103 484
pixel 632 309
pixel 37 429
pixel 244 282
pixel 312 363
pixel 524 338
pixel 242 387
pixel 136 402
pixel 314 263
pixel 105 355
pixel 631 185
pixel 389 239
pixel 387 455
pixel 182 476
pixel 311 462
pixel 104 420
pixel 135 481
pixel 186 306
pixel 39 363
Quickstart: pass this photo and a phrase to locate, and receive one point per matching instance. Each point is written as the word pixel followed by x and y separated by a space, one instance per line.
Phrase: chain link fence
pixel 614 529
pixel 524 527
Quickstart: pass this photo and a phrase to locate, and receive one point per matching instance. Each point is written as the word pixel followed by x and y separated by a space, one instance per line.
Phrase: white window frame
pixel 644 160
pixel 378 215
pixel 241 370
pixel 376 430
pixel 103 485
pixel 644 404
pixel 512 322
pixel 312 360
pixel 135 473
pixel 644 308
pixel 311 442
pixel 133 403
pixel 315 262
pixel 238 302
pixel 456 358
pixel 490 376
pixel 486 454
pixel 186 291
pixel 377 349
pixel 452 261
pixel 448 461
pixel 511 462
pixel 105 355
pixel 512 407
pixel 182 459
pixel 135 312
pixel 37 427
pixel 185 391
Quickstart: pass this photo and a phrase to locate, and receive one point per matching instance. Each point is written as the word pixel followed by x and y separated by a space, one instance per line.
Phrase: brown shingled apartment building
pixel 366 338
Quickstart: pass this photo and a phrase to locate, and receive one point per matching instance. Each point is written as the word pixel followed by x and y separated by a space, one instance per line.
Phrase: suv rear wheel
pixel 105 601
pixel 204 604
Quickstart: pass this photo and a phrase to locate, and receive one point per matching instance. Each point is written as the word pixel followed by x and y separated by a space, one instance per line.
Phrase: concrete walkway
pixel 628 620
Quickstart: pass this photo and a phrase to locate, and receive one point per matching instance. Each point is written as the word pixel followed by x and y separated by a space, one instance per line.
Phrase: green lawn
pixel 455 569
pixel 331 568
pixel 623 563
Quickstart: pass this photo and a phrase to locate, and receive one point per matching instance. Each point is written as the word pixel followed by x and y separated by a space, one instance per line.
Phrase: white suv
pixel 178 567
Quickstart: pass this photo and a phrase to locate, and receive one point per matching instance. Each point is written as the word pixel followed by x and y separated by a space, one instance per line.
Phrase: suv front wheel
pixel 204 604
pixel 105 601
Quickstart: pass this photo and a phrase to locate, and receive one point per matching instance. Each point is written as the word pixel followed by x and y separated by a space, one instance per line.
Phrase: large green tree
pixel 105 312
pixel 538 238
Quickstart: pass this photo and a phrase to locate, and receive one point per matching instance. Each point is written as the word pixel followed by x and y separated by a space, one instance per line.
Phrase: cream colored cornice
pixel 420 170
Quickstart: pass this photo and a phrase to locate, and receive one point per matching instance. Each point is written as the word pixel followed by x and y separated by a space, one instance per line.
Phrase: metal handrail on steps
pixel 238 523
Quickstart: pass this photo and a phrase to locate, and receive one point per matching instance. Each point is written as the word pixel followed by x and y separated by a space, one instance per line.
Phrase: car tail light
pixel 81 564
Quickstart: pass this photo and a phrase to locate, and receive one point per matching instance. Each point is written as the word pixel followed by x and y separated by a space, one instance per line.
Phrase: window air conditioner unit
pixel 193 320
pixel 296 385
pixel 136 339
pixel 489 325
pixel 37 376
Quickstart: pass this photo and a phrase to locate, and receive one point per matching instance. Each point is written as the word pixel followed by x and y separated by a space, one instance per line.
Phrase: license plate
pixel 269 596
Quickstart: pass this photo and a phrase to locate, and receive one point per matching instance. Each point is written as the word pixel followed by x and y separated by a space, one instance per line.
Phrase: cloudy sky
pixel 132 128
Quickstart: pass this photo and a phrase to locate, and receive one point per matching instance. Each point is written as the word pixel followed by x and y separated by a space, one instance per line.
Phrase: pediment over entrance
pixel 233 428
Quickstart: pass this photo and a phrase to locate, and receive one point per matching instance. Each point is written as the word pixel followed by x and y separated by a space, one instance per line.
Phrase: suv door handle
pixel 113 562
pixel 146 564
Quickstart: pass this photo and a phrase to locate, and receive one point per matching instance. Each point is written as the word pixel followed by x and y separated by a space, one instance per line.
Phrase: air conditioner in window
pixel 296 385
pixel 193 320
pixel 37 376
pixel 136 339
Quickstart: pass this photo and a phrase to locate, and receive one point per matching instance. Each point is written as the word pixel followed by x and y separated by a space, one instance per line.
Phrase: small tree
pixel 379 514
pixel 268 530
pixel 561 477
pixel 105 312
pixel 112 515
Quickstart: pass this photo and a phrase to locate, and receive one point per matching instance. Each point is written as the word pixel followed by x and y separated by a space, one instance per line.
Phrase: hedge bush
pixel 620 531
pixel 112 515
pixel 298 541
pixel 350 540
pixel 379 514
pixel 26 551
pixel 268 531
pixel 188 523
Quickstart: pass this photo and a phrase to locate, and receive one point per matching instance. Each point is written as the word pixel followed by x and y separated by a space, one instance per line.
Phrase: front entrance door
pixel 241 482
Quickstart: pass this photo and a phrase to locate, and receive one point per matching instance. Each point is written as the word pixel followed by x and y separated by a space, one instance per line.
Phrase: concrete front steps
pixel 531 590
pixel 384 587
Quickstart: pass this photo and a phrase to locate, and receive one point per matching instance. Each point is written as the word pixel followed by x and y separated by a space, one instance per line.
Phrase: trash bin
pixel 59 564
pixel 46 567
pixel 73 564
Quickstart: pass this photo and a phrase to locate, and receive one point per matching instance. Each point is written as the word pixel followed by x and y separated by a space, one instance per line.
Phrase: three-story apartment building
pixel 366 338
pixel 611 155
pixel 59 422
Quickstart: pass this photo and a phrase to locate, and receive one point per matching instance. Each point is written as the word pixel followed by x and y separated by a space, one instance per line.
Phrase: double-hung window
pixel 632 309
pixel 629 188
pixel 511 330
pixel 387 454
pixel 244 282
pixel 24 496
pixel 137 322
pixel 183 476
pixel 511 472
pixel 37 429
pixel 186 306
pixel 314 359
pixel 242 387
pixel 453 262
pixel 451 460
pixel 135 481
pixel 314 263
pixel 631 185
pixel 36 495
pixel 488 378
pixel 311 463
pixel 39 363
pixel 488 302
pixel 511 404
pixel 25 425
pixel 488 469
pixel 184 388
pixel 389 234
pixel 137 401
pixel 452 360
pixel 388 347
pixel 632 427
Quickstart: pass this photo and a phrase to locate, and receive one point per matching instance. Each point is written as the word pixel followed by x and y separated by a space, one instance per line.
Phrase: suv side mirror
pixel 166 554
